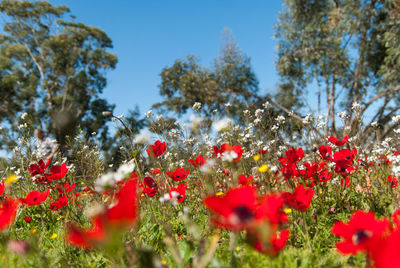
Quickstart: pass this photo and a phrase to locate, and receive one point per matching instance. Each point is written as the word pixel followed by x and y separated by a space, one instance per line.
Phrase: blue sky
pixel 150 35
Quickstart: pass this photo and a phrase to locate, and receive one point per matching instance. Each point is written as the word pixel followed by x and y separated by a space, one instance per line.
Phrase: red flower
pixel 236 209
pixel 27 219
pixel 292 156
pixel 66 189
pixel 271 208
pixel 87 238
pixel 179 193
pixel 8 211
pixel 149 186
pixel 326 152
pixel 179 174
pixel 39 168
pixel 157 149
pixel 344 161
pixel 58 172
pixel 245 180
pixel 2 188
pixel 345 182
pixel 155 172
pixel 393 181
pixel 61 202
pixel 226 147
pixel 337 142
pixel 125 212
pixel 385 253
pixel 300 199
pixel 272 246
pixel 35 198
pixel 122 215
pixel 361 231
pixel 198 162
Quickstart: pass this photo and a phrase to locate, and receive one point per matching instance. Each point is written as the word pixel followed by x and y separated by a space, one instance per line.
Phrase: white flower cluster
pixel 110 178
pixel 222 124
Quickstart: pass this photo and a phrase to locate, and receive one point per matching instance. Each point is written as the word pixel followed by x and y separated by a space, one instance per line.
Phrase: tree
pixel 230 80
pixel 53 69
pixel 346 52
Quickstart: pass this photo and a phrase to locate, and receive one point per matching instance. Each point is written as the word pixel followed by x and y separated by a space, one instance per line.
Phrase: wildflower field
pixel 206 194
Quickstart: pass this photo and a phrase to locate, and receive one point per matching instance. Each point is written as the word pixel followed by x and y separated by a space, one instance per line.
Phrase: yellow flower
pixel 3 257
pixel 219 193
pixel 238 249
pixel 34 231
pixel 10 179
pixel 287 210
pixel 256 157
pixel 59 218
pixel 164 262
pixel 54 236
pixel 263 168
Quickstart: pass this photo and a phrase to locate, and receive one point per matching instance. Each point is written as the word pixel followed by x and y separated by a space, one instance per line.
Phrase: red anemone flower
pixel 8 211
pixel 35 198
pixel 149 186
pixel 292 156
pixel 326 152
pixel 61 202
pixel 335 141
pixel 179 193
pixel 385 253
pixel 226 147
pixel 2 188
pixel 122 215
pixel 243 180
pixel 236 209
pixel 273 245
pixel 300 199
pixel 179 174
pixel 271 208
pixel 87 238
pixel 157 149
pixel 198 162
pixel 39 168
pixel 58 172
pixel 360 232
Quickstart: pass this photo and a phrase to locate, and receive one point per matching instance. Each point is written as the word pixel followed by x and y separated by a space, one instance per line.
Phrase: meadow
pixel 205 194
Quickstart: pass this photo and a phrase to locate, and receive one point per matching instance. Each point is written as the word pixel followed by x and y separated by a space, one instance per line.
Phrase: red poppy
pixel 61 202
pixel 157 149
pixel 344 161
pixel 8 211
pixel 337 142
pixel 385 253
pixel 360 232
pixel 27 219
pixel 39 168
pixel 345 182
pixel 226 147
pixel 2 188
pixel 58 172
pixel 392 180
pixel 125 212
pixel 273 245
pixel 271 209
pixel 198 162
pixel 179 193
pixel 149 186
pixel 245 180
pixel 155 172
pixel 236 209
pixel 179 174
pixel 87 238
pixel 326 152
pixel 66 188
pixel 300 199
pixel 293 156
pixel 122 215
pixel 35 198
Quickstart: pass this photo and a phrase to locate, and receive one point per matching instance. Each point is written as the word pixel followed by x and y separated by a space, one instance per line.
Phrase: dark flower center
pixel 361 236
pixel 243 213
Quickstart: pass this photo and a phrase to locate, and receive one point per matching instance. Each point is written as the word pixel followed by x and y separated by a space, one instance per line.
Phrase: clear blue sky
pixel 149 35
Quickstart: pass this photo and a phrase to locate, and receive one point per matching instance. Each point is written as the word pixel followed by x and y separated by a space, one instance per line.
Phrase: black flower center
pixel 361 236
pixel 243 213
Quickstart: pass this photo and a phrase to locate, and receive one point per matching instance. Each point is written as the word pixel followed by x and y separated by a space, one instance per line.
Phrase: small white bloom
pixel 142 138
pixel 149 113
pixel 24 115
pixel 374 124
pixel 222 124
pixel 229 156
pixel 196 106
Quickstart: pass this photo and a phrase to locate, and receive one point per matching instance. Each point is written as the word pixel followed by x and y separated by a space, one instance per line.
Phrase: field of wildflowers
pixel 206 194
